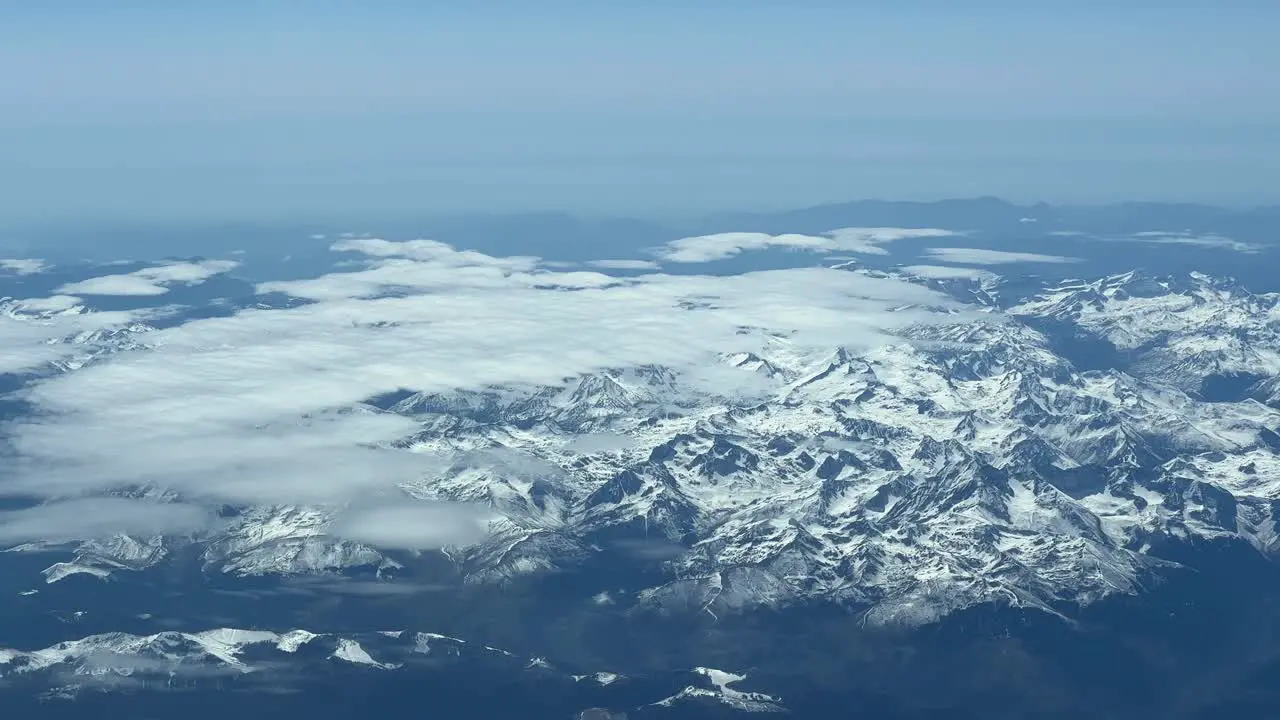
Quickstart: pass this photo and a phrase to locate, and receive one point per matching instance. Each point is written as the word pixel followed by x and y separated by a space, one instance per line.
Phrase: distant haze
pixel 274 110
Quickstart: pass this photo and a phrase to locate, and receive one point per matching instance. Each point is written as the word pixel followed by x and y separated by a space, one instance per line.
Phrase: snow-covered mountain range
pixel 1041 449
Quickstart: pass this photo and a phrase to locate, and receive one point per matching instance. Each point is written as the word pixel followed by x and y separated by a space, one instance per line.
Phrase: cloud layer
pixel 265 406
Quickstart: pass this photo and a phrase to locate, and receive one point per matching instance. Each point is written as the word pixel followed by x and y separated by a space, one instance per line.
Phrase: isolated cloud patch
pixel 413 525
pixel 433 251
pixel 115 285
pixel 983 256
pixel 1209 240
pixel 625 264
pixel 707 248
pixel 944 272
pixel 52 304
pixel 1164 237
pixel 588 443
pixel 869 241
pixel 23 266
pixel 149 281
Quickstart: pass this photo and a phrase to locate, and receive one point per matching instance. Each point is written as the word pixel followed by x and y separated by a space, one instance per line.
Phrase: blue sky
pixel 203 110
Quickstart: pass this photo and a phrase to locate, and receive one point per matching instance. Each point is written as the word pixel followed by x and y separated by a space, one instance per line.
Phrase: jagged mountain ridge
pixel 1183 330
pixel 223 658
pixel 971 462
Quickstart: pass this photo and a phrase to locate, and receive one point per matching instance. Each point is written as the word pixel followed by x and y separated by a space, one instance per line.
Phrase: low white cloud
pixel 1195 240
pixel 264 406
pixel 28 357
pixel 652 549
pixel 725 381
pixel 589 443
pixel 23 266
pixel 89 518
pixel 869 241
pixel 52 304
pixel 510 462
pixel 414 525
pixel 983 256
pixel 706 248
pixel 433 251
pixel 324 459
pixel 420 266
pixel 149 281
pixel 944 272
pixel 625 264
pixel 115 285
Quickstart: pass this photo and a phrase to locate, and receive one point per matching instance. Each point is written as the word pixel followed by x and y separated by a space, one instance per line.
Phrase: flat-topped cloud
pixel 707 248
pixel 624 264
pixel 984 256
pixel 944 272
pixel 1211 241
pixel 23 266
pixel 51 304
pixel 150 281
pixel 1206 240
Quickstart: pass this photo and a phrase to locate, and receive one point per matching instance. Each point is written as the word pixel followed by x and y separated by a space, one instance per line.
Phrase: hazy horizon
pixel 257 111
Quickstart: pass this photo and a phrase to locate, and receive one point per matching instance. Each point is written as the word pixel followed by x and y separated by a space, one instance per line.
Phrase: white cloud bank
pixel 264 406
pixel 150 281
pixel 706 248
pixel 983 256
